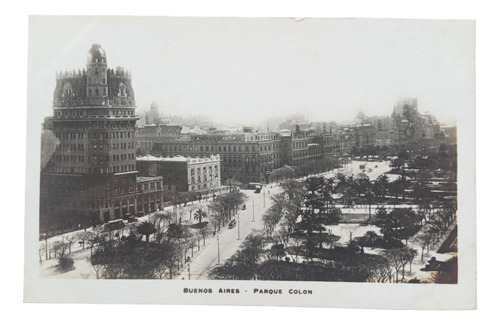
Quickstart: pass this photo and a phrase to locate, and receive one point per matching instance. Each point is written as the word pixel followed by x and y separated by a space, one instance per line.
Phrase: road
pixel 226 243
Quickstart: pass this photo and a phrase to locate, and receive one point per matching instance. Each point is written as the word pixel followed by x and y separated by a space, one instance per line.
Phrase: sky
pixel 242 71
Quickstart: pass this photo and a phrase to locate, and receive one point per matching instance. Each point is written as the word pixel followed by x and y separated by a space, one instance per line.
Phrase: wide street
pixel 223 245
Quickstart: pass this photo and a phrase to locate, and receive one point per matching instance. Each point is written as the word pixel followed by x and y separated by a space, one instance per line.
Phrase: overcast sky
pixel 242 71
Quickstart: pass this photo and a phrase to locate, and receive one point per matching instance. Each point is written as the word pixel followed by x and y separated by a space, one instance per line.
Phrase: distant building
pixel 410 125
pixel 384 129
pixel 149 134
pixel 153 115
pixel 298 148
pixel 356 136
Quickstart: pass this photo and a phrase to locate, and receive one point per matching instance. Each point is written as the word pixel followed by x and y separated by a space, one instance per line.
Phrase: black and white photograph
pixel 251 161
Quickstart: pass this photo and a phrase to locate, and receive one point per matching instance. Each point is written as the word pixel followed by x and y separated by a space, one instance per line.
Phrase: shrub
pixel 65 263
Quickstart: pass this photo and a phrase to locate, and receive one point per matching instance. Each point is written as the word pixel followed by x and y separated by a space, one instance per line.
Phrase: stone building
pixel 88 172
pixel 356 136
pixel 247 156
pixel 149 134
pixel 149 194
pixel 298 148
pixel 199 175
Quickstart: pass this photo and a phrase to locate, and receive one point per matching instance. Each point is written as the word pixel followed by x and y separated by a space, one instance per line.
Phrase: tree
pixel 274 214
pixel 293 189
pixel 218 211
pixel 362 184
pixel 369 196
pixel 400 223
pixel 371 236
pixel 277 251
pixel 243 265
pixel 146 228
pixel 60 248
pixel 380 271
pixel 200 214
pixel 407 256
pixel 423 239
pixel 178 232
pixel 83 237
pixel 317 210
pixel 165 256
pixel 160 221
pixel 393 256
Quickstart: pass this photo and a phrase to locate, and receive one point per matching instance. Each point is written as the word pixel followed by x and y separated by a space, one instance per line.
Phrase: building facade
pixel 247 156
pixel 200 175
pixel 88 172
pixel 149 134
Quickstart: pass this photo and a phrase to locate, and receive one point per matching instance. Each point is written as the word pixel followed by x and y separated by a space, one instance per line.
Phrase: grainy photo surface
pixel 251 161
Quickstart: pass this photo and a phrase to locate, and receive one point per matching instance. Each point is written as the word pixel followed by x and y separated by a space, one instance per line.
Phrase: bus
pixel 254 186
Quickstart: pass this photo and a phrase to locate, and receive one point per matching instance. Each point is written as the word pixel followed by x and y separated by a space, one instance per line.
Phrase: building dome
pixel 96 54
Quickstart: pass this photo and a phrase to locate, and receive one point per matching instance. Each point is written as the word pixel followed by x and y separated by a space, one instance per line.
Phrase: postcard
pixel 315 162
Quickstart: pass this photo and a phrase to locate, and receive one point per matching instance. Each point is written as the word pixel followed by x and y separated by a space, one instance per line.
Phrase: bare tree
pixel 423 239
pixel 393 256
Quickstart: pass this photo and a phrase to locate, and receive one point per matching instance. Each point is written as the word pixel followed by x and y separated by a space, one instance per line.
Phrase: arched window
pixel 67 90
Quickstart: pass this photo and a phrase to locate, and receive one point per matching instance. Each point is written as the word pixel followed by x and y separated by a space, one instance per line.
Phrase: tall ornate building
pixel 88 172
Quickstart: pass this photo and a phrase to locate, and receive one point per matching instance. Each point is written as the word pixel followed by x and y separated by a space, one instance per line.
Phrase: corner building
pixel 88 172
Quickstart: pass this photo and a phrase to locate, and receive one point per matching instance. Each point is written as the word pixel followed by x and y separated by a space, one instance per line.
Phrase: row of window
pixel 205 178
pixel 119 146
pixel 93 159
pixel 204 169
pixel 81 113
pixel 150 185
pixel 302 144
pixel 102 147
pixel 89 170
pixel 130 156
pixel 96 91
pixel 94 135
pixel 245 159
pixel 201 187
pixel 201 148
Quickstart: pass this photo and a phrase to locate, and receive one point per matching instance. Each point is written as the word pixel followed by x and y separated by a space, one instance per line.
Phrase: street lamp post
pixel 264 192
pixel 238 226
pixel 253 210
pixel 189 271
pixel 218 251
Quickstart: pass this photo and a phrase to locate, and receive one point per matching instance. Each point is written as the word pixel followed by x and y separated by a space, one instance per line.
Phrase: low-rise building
pixel 183 174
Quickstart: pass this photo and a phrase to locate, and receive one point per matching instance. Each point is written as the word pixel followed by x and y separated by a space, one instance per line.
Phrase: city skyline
pixel 325 69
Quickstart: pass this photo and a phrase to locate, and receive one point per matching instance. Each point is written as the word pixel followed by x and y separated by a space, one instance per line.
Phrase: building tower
pixel 88 172
pixel 153 115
